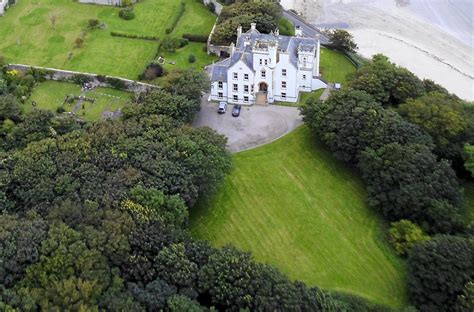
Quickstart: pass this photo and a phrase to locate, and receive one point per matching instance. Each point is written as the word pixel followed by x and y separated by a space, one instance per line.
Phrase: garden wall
pixel 102 81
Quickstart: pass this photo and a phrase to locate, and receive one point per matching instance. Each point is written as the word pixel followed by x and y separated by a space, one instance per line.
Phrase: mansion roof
pixel 253 40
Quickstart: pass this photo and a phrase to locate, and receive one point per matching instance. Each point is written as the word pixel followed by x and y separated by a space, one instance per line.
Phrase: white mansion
pixel 263 68
pixel 4 4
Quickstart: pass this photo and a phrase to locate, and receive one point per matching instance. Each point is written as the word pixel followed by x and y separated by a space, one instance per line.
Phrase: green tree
pixel 189 83
pixel 469 149
pixel 465 301
pixel 404 235
pixel 342 40
pixel 387 83
pixel 438 270
pixel 230 279
pixel 407 182
pixel 9 108
pixel 442 118
pixel 161 102
pixel 179 303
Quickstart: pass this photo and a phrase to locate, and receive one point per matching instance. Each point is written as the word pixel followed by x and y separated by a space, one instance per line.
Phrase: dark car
pixel 236 110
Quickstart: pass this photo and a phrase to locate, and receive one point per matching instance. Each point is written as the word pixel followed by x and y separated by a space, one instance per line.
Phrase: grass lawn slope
pixel 28 36
pixel 335 66
pixel 294 206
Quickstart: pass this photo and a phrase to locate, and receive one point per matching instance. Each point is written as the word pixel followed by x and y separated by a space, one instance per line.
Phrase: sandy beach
pixel 432 38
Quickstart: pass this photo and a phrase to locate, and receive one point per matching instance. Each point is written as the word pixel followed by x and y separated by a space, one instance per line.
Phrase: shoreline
pixel 404 35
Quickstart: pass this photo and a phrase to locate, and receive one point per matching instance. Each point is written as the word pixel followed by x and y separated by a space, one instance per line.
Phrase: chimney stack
pixel 253 26
pixel 239 31
pixel 277 32
pixel 298 31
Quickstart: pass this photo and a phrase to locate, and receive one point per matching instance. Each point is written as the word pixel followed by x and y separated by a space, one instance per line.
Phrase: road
pixel 308 30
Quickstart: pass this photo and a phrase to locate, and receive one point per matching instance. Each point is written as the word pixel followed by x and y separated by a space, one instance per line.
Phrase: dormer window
pixel 264 74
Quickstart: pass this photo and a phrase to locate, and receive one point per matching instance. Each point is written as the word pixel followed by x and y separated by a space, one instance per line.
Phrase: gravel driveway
pixel 255 126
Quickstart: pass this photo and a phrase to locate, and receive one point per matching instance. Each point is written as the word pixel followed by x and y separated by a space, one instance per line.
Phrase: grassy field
pixel 335 66
pixel 50 95
pixel 294 206
pixel 28 35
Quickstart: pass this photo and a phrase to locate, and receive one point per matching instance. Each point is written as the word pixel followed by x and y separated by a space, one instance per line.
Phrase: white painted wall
pixel 241 69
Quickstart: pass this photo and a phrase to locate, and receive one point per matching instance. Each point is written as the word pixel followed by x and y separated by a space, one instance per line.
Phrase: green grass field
pixel 50 95
pixel 335 66
pixel 28 36
pixel 294 206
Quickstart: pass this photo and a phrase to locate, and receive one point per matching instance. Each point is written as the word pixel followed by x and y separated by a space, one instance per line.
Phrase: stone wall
pixel 217 5
pixel 67 75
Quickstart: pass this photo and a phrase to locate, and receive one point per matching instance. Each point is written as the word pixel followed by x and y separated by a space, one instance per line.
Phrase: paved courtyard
pixel 255 126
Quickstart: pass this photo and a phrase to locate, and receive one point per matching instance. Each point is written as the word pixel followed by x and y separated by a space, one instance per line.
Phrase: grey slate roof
pixel 243 51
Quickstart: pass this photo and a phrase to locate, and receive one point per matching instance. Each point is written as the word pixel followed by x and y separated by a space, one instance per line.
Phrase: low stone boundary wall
pixel 99 80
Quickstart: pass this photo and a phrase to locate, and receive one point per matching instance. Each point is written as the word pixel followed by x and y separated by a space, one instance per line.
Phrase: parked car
pixel 236 110
pixel 222 108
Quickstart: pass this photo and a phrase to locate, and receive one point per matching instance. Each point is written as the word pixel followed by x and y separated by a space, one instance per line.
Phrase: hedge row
pixel 132 36
pixel 177 17
pixel 196 38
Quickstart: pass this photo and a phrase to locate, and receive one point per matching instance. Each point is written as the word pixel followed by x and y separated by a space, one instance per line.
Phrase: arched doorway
pixel 261 97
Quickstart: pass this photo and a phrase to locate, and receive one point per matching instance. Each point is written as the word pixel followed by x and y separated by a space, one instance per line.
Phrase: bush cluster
pixel 127 13
pixel 152 71
pixel 133 36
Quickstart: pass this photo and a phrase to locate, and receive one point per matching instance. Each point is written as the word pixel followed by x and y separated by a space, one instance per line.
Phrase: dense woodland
pixel 94 216
pixel 410 140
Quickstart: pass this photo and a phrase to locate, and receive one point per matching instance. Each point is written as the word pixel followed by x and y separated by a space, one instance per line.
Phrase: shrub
pixel 133 36
pixel 81 79
pixel 196 38
pixel 192 58
pixel 404 235
pixel 94 23
pixel 60 110
pixel 127 14
pixel 171 44
pixel 115 83
pixel 152 71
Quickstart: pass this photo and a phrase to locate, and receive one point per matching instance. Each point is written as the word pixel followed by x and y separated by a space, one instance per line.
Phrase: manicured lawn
pixel 50 95
pixel 294 206
pixel 28 37
pixel 181 57
pixel 335 66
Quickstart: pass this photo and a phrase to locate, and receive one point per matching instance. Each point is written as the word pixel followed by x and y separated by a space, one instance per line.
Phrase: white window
pixel 252 88
pixel 220 95
pixel 283 84
pixel 246 77
pixel 261 61
pixel 304 77
pixel 236 87
pixel 236 98
pixel 246 99
pixel 220 84
pixel 264 74
pixel 304 61
pixel 283 95
pixel 266 62
pixel 236 76
pixel 246 88
pixel 283 72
